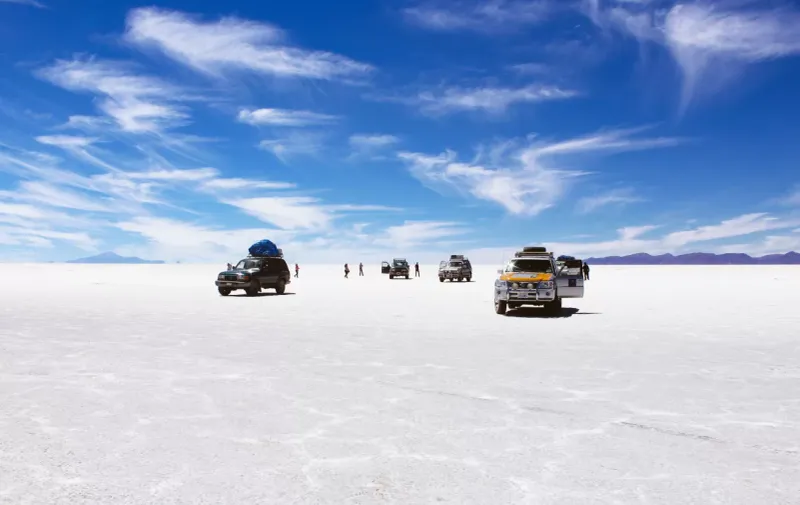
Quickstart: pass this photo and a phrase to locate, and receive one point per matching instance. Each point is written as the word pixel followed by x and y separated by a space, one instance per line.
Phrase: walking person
pixel 416 269
pixel 230 266
pixel 585 272
pixel 361 270
pixel 296 270
pixel 346 271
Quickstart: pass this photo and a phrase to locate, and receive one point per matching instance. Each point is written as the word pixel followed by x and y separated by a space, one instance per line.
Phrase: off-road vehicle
pixel 253 274
pixel 535 277
pixel 457 268
pixel 399 268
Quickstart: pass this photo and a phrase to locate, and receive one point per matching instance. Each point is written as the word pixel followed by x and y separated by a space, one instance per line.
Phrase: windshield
pixel 530 265
pixel 456 264
pixel 246 265
pixel 400 263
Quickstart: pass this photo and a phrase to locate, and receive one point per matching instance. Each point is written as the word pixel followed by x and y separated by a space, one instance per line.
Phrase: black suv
pixel 253 274
pixel 399 268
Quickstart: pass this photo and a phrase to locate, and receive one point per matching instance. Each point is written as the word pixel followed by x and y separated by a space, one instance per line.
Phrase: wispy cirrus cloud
pixel 617 197
pixel 711 41
pixel 479 16
pixel 233 44
pixel 32 3
pixel 634 239
pixel 414 233
pixel 294 144
pixel 137 103
pixel 299 212
pixel 284 117
pixel 371 146
pixel 489 99
pixel 521 175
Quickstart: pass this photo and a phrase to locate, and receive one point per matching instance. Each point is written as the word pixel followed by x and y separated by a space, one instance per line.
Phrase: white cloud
pixel 493 100
pixel 230 44
pixel 171 239
pixel 294 144
pixel 371 146
pixel 414 233
pixel 54 196
pixel 607 140
pixel 66 141
pixel 629 240
pixel 615 197
pixel 366 141
pixel 32 3
pixel 236 183
pixel 710 41
pixel 480 16
pixel 297 212
pixel 193 174
pixel 284 117
pixel 520 178
pixel 137 103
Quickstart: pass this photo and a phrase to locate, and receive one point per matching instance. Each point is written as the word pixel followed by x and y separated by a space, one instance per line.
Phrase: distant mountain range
pixel 110 257
pixel 790 258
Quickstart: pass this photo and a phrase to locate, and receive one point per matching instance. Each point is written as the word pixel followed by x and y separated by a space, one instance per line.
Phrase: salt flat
pixel 141 385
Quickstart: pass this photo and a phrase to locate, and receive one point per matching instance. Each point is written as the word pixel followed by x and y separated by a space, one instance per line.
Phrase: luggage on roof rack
pixel 265 248
pixel 456 256
pixel 534 249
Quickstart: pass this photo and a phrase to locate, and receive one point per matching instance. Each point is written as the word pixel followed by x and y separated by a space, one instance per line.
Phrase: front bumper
pixel 232 284
pixel 452 275
pixel 525 295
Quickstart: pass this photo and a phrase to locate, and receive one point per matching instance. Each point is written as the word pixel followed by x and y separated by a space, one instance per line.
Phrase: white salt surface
pixel 141 385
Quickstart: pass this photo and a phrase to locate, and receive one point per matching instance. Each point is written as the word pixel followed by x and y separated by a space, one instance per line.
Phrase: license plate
pixel 225 283
pixel 523 295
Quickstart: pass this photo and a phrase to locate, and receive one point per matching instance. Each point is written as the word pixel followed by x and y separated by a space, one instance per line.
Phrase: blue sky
pixel 363 130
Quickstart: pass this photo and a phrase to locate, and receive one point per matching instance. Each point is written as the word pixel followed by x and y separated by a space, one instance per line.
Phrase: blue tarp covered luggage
pixel 564 257
pixel 264 248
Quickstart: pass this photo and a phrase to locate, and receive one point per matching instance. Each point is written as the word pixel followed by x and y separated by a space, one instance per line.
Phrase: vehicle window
pixel 529 265
pixel 246 265
pixel 456 264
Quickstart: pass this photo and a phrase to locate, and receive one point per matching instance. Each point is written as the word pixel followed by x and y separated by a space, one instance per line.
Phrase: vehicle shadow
pixel 270 293
pixel 541 313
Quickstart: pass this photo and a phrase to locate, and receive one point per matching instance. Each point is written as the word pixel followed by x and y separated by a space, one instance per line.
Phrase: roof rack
pixel 279 255
pixel 457 257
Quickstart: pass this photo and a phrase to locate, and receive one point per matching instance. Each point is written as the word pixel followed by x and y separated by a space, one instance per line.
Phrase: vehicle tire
pixel 441 279
pixel 554 307
pixel 391 276
pixel 406 277
pixel 500 307
pixel 469 279
pixel 224 291
pixel 460 279
pixel 514 305
pixel 280 288
pixel 253 289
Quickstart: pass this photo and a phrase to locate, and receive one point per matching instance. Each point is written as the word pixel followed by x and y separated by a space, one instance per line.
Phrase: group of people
pixel 347 270
pixel 416 270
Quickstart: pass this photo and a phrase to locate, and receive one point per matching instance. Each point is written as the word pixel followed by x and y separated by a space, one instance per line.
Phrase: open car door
pixel 385 267
pixel 569 279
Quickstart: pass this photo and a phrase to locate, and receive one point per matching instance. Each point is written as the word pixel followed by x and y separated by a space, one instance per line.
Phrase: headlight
pixel 546 285
pixel 515 286
pixel 220 277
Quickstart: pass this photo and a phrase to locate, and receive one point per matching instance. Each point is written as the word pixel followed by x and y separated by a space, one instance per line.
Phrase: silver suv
pixel 457 268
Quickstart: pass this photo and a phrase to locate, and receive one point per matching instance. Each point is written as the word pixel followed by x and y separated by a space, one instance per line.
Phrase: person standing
pixel 296 270
pixel 230 266
pixel 346 271
pixel 585 272
pixel 416 269
pixel 361 269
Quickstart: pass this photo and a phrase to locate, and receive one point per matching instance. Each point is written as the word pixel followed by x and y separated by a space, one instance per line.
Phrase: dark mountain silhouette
pixel 790 258
pixel 110 257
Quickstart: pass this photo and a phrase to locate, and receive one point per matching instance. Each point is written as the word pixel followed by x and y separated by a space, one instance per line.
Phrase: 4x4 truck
pixel 253 274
